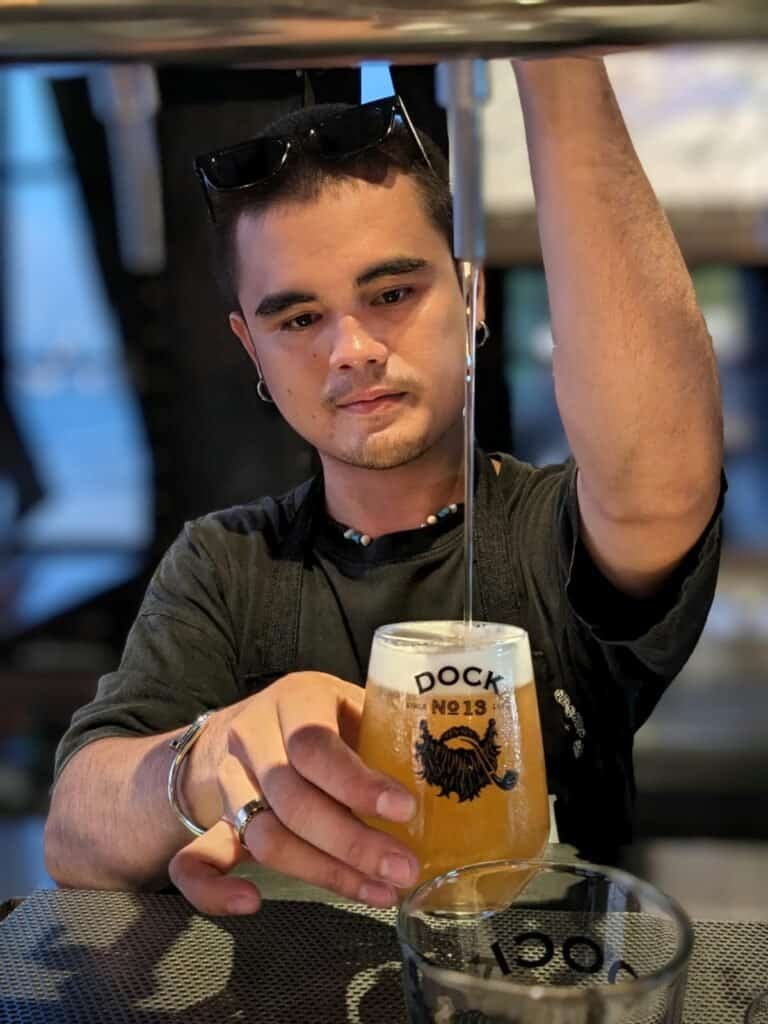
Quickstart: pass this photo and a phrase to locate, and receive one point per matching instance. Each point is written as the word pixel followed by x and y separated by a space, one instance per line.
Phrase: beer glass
pixel 451 713
pixel 543 943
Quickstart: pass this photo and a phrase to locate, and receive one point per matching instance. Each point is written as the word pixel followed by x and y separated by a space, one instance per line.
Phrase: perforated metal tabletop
pixel 88 957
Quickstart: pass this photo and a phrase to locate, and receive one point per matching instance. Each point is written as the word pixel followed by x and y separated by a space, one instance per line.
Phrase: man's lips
pixel 370 401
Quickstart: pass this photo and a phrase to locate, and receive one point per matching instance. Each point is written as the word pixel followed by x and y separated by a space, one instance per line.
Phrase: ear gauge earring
pixel 482 334
pixel 261 390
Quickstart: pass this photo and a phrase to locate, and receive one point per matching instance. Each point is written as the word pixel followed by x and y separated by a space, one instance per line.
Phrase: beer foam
pixel 444 657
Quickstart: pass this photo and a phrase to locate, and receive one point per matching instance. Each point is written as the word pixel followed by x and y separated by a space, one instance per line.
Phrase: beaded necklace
pixel 364 539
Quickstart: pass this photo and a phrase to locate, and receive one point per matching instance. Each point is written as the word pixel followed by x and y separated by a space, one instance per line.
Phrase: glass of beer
pixel 451 713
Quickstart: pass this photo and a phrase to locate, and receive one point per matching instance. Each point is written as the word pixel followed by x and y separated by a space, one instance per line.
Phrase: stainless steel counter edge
pixel 290 32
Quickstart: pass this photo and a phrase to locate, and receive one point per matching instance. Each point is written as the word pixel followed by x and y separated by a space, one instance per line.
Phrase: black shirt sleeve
pixel 660 632
pixel 180 657
pixel 640 645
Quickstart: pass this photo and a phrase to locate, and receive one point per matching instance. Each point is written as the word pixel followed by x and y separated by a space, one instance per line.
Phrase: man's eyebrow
pixel 391 268
pixel 278 302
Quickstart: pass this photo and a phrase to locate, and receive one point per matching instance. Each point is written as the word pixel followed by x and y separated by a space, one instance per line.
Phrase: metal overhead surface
pixel 306 32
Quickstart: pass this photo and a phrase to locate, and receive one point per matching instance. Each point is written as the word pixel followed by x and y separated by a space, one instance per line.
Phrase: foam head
pixel 449 657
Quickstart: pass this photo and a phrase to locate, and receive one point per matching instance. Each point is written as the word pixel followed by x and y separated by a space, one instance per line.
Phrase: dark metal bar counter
pixel 87 957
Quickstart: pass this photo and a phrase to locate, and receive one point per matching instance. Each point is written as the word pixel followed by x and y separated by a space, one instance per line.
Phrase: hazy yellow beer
pixel 452 714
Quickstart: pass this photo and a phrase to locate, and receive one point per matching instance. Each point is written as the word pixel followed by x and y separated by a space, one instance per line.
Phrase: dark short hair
pixel 306 173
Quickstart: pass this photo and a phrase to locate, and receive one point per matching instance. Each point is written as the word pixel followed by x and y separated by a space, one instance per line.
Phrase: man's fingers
pixel 199 872
pixel 309 835
pixel 313 781
pixel 320 755
pixel 307 736
pixel 275 846
pixel 331 827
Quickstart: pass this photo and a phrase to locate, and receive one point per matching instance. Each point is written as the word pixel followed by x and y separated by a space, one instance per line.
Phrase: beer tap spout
pixel 462 87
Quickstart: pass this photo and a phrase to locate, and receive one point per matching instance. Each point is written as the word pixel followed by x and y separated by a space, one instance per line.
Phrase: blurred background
pixel 126 408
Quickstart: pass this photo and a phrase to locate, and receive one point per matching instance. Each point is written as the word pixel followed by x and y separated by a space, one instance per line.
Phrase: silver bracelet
pixel 181 746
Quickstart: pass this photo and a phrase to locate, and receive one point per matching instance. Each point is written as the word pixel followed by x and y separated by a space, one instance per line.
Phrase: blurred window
pixel 375 82
pixel 538 433
pixel 66 379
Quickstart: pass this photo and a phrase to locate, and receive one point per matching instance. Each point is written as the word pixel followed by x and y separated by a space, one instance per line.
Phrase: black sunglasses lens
pixel 247 164
pixel 354 130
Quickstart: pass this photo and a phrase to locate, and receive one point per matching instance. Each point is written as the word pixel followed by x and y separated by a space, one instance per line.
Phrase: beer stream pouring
pixel 461 87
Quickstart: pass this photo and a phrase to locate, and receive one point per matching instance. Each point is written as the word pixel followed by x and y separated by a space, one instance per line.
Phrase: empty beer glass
pixel 451 712
pixel 543 943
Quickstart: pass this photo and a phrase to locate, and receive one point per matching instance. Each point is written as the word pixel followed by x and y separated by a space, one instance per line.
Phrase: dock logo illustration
pixel 460 761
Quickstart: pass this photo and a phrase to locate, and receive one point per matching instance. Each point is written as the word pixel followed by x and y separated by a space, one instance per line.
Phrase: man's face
pixel 354 314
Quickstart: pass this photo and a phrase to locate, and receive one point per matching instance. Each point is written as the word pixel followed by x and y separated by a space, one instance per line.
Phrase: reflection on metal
pixel 125 98
pixel 286 32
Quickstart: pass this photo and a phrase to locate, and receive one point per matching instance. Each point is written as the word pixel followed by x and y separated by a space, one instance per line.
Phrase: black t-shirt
pixel 248 594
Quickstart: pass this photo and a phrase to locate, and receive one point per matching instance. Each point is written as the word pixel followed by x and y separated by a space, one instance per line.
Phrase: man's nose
pixel 354 347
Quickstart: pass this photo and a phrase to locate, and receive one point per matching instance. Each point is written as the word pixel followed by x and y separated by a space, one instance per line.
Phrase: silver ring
pixel 242 818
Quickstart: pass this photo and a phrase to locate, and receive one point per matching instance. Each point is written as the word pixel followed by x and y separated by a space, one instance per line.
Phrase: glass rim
pixel 662 976
pixel 425 636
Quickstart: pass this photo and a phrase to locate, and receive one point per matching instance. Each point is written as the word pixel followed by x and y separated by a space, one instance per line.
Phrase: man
pixel 344 293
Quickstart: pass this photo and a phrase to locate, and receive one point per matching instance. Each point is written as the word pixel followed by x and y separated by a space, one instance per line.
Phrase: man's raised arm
pixel 635 374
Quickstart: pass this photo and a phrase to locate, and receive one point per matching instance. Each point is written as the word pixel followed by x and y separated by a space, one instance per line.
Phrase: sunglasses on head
pixel 338 137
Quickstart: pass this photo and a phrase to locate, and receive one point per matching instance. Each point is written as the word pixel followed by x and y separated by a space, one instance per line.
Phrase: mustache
pixel 340 388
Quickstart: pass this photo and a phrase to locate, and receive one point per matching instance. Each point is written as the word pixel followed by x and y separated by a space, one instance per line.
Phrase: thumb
pixel 199 871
